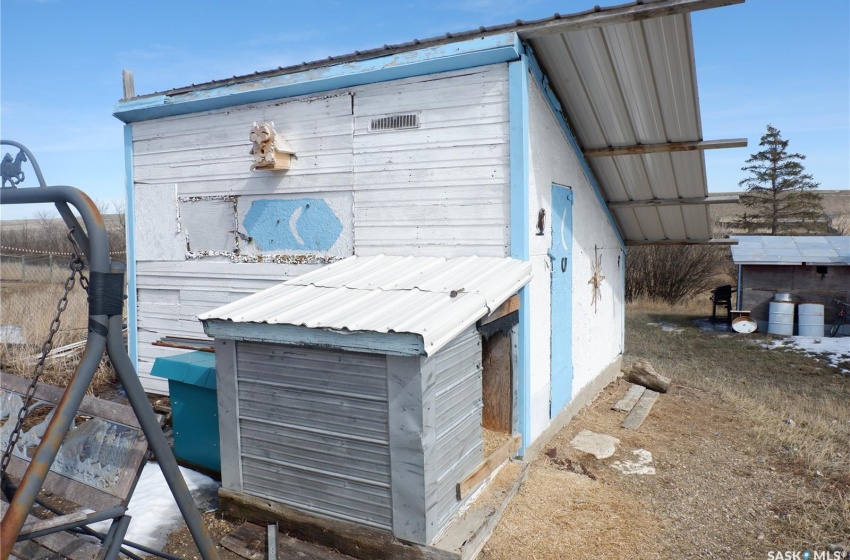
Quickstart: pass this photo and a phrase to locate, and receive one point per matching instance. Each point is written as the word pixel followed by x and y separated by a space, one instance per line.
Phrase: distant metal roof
pixel 791 250
pixel 432 297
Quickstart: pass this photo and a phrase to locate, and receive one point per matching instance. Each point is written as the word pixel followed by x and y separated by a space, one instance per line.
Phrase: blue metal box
pixel 194 407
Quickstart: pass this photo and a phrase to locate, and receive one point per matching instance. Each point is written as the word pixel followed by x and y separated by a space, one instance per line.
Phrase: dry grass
pixel 772 386
pixel 32 306
pixel 560 514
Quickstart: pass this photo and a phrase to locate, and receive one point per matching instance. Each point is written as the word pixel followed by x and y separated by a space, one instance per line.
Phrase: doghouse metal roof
pixel 433 297
pixel 624 75
pixel 791 250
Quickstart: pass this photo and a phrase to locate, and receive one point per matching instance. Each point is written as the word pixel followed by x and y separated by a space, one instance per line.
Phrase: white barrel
pixel 810 319
pixel 781 318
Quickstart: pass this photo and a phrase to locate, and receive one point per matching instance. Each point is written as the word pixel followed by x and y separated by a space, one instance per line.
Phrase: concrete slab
pixel 600 446
pixel 642 464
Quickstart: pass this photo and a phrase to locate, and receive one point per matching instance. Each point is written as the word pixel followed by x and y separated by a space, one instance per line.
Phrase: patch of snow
pixel 836 351
pixel 667 327
pixel 641 465
pixel 600 446
pixel 153 509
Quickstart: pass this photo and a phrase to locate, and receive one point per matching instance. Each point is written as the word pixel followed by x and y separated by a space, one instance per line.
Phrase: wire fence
pixel 34 268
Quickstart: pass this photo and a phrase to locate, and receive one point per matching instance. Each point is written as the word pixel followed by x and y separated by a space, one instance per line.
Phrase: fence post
pixel 23 268
pixel 50 277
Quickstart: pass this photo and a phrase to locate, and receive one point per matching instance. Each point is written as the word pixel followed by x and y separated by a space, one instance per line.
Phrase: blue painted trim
pixel 396 344
pixel 130 222
pixel 543 83
pixel 432 60
pixel 519 170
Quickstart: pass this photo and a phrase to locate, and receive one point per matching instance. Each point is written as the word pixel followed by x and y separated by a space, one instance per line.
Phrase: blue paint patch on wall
pixel 303 224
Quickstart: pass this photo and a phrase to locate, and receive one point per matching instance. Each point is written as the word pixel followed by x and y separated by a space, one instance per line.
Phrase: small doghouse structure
pixel 813 269
pixel 354 392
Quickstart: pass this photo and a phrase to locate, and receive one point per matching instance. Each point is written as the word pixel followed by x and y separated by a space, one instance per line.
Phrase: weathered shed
pixel 354 391
pixel 555 142
pixel 813 269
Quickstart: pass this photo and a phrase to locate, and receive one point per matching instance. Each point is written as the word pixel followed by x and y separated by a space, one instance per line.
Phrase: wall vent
pixel 394 122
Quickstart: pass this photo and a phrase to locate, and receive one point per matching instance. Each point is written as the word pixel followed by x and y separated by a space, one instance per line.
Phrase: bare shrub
pixel 674 273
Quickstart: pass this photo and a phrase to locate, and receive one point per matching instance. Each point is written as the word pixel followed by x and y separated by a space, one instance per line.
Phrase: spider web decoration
pixel 596 278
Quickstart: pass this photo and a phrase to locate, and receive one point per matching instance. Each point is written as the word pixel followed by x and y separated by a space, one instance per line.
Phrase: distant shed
pixel 372 368
pixel 813 269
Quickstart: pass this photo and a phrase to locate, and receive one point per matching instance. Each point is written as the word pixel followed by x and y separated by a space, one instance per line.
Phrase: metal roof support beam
pixel 645 242
pixel 626 13
pixel 675 201
pixel 638 149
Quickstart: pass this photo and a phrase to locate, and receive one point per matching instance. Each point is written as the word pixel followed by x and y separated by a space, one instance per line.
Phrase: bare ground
pixel 733 478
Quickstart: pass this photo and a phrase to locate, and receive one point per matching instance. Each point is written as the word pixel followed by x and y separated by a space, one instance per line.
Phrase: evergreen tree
pixel 781 197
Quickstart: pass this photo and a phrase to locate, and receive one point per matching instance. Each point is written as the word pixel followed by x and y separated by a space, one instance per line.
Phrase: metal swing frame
pixel 106 299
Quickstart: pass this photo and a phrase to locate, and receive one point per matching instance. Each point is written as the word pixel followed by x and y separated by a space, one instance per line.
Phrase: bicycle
pixel 840 317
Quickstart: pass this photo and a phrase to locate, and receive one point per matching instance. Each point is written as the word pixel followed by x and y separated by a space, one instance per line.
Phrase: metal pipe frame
pixel 95 244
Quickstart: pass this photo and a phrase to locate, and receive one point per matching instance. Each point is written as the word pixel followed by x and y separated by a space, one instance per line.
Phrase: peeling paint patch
pixel 306 224
pixel 235 257
pixel 227 197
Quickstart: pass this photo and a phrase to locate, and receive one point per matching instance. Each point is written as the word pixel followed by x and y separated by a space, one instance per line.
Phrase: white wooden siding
pixel 440 189
pixel 172 295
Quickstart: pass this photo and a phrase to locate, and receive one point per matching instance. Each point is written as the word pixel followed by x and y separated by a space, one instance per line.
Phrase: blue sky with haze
pixel 783 62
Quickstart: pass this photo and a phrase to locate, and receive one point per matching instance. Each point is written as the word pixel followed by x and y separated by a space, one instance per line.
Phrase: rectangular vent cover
pixel 394 122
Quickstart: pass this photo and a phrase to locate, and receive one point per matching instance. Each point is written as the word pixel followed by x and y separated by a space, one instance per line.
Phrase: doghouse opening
pixel 497 377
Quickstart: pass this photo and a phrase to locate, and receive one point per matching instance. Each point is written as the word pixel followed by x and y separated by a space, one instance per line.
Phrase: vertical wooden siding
pixel 451 380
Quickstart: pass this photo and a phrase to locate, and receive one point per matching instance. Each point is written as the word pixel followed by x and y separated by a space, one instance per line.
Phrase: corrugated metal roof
pixel 791 250
pixel 629 84
pixel 387 294
pixel 624 78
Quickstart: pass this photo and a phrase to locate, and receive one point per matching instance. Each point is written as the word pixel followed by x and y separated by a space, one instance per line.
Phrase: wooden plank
pixel 486 468
pixel 630 398
pixel 641 410
pixel 63 544
pixel 496 383
pixel 355 540
pixel 91 406
pixel 666 147
pixel 509 306
pixel 673 201
pixel 249 541
pixel 73 490
pixel 53 522
pixel 128 83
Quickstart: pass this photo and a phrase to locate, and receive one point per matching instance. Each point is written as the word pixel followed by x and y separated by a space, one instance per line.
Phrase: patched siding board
pixel 157 228
pixel 314 430
pixel 172 294
pixel 442 188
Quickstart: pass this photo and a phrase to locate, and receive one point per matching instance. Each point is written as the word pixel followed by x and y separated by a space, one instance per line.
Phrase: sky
pixel 779 62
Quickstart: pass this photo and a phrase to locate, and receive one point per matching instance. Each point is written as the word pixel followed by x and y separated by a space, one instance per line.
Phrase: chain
pixel 76 265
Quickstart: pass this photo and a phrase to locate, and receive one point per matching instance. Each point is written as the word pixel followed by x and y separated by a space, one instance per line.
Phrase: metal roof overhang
pixel 625 77
pixel 387 304
pixel 629 80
